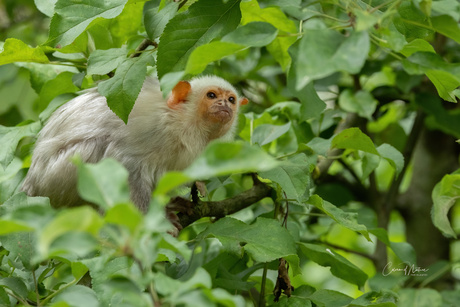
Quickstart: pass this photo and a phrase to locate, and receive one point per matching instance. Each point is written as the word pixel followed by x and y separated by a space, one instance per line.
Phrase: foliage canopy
pixel 351 129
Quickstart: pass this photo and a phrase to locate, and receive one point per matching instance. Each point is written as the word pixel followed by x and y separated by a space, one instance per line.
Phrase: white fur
pixel 155 140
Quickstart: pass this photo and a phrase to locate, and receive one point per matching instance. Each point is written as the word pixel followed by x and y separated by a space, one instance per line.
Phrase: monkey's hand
pixel 178 204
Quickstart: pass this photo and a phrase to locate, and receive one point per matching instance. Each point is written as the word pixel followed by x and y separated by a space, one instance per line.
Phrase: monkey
pixel 162 134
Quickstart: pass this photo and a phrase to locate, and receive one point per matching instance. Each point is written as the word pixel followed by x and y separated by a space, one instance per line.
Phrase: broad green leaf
pixel 156 19
pixel 221 159
pixel 15 50
pixel 62 84
pixel 251 12
pixel 45 6
pixel 293 176
pixel 365 20
pixel 205 54
pixel 445 195
pixel 265 240
pixel 101 62
pixel 166 285
pixel 78 269
pixel 10 137
pixel 438 116
pixel 340 266
pixel 417 45
pixel 16 285
pixel 321 52
pixel 8 227
pixel 311 105
pixel 419 298
pixel 447 26
pixel 72 18
pixel 346 219
pixel 353 138
pixel 74 244
pixel 104 183
pixel 369 163
pixel 128 24
pixel 385 77
pixel 393 156
pixel 78 294
pixel 265 134
pixel 197 26
pixel 325 297
pixel 126 215
pixel 404 251
pixel 170 181
pixel 361 102
pixel 77 219
pixel 408 21
pixel 122 89
pixel 445 82
pixel 253 34
pixel 384 298
pixel 445 76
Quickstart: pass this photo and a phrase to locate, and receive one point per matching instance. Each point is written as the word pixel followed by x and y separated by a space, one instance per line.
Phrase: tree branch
pixel 224 207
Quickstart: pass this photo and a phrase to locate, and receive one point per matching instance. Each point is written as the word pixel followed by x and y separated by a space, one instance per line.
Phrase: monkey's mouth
pixel 223 114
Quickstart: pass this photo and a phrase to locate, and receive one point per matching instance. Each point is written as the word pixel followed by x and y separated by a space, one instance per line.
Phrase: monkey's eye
pixel 231 99
pixel 211 95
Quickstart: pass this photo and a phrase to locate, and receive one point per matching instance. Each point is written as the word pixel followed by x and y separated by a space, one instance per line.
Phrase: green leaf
pixel 346 219
pixel 445 76
pixel 78 295
pixel 325 297
pixel 7 227
pixel 404 251
pixel 265 240
pixel 126 215
pixel 101 62
pixel 293 176
pixel 71 18
pixel 417 45
pixel 170 181
pixel 251 12
pixel 197 26
pixel 361 102
pixel 104 183
pixel 353 138
pixel 447 26
pixel 253 34
pixel 156 18
pixel 265 134
pixel 16 285
pixel 45 6
pixel 445 195
pixel 77 219
pixel 15 50
pixel 221 159
pixel 62 84
pixel 205 54
pixel 384 298
pixel 419 298
pixel 10 137
pixel 340 266
pixel 393 156
pixel 319 53
pixel 122 90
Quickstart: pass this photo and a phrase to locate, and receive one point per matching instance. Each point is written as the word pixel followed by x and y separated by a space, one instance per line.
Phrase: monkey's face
pixel 218 105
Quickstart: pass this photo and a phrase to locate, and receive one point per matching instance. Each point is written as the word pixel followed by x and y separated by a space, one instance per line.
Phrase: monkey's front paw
pixel 181 205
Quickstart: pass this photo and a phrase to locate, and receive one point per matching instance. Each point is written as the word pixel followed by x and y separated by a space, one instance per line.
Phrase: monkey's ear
pixel 179 94
pixel 244 101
